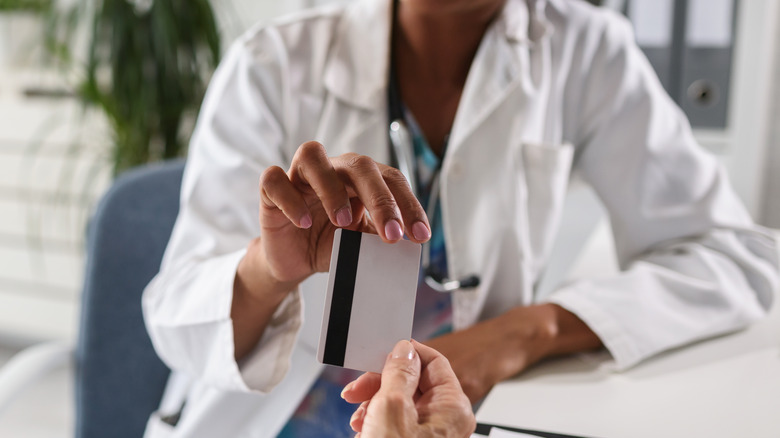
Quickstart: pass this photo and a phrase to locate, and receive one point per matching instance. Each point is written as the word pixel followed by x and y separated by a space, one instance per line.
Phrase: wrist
pixel 256 296
pixel 565 332
pixel 254 279
pixel 534 330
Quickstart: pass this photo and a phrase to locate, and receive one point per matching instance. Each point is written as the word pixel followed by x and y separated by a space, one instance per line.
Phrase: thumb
pixel 402 370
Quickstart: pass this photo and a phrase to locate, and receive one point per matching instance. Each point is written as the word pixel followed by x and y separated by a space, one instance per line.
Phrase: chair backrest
pixel 119 378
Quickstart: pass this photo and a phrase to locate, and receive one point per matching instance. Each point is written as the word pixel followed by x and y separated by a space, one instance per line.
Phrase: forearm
pixel 256 296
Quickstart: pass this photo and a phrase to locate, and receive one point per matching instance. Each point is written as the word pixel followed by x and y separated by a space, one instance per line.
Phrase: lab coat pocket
pixel 545 171
pixel 157 428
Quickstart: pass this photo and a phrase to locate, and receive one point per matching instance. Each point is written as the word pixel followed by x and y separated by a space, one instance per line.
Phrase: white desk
pixel 726 387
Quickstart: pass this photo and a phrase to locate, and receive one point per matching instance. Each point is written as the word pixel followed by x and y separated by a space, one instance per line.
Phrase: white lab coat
pixel 557 87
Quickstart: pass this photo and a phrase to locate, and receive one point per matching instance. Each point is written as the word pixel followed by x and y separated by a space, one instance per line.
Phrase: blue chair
pixel 119 378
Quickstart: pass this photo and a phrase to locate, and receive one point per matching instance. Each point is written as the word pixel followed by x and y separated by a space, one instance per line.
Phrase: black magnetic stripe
pixel 341 302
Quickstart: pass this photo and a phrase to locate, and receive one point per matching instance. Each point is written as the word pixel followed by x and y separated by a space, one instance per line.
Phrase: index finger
pixel 362 388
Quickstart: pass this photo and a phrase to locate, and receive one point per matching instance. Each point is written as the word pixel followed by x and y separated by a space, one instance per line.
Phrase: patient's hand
pixel 417 395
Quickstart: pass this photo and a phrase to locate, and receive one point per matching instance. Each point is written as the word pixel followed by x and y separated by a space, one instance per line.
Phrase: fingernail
pixel 344 217
pixel 347 388
pixel 393 230
pixel 361 411
pixel 306 221
pixel 420 231
pixel 403 350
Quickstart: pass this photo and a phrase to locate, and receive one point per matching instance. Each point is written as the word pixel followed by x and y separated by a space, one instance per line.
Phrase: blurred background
pixel 91 88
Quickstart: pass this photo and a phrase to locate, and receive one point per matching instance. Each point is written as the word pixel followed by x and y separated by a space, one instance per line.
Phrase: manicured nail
pixel 306 221
pixel 344 217
pixel 347 388
pixel 403 350
pixel 420 231
pixel 393 230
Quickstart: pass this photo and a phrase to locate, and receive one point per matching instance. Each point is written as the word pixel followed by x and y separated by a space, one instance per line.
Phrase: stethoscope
pixel 403 156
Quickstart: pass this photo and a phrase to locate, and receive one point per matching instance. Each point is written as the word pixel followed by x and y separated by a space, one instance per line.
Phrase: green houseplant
pixel 147 66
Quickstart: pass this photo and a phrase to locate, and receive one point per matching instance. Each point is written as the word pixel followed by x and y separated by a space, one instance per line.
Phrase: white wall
pixel 771 210
pixel 51 171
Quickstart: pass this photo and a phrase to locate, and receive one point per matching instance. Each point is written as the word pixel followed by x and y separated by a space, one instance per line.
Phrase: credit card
pixel 372 286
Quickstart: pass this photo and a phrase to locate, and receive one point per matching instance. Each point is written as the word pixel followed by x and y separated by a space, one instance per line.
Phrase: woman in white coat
pixel 511 96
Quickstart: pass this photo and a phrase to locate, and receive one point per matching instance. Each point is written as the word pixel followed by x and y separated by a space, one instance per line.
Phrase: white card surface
pixel 372 286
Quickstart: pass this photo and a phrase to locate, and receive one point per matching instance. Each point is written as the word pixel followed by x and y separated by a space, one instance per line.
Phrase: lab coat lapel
pixel 498 65
pixel 354 116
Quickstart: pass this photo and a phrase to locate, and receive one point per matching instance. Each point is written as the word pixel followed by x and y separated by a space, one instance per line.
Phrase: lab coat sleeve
pixel 693 264
pixel 187 305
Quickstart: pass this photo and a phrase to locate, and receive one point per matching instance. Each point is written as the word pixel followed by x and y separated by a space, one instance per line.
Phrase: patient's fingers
pixel 362 388
pixel 356 422
pixel 437 369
